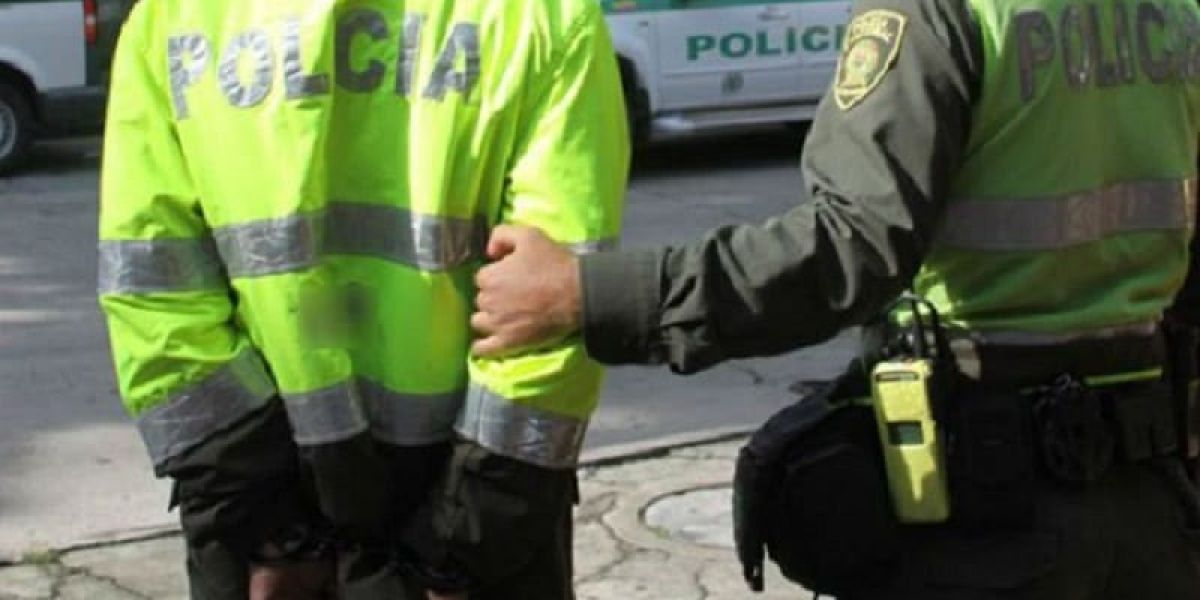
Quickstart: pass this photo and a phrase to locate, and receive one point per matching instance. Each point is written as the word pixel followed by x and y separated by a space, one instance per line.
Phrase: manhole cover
pixel 702 517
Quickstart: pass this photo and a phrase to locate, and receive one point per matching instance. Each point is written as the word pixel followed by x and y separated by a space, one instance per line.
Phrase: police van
pixel 54 58
pixel 695 64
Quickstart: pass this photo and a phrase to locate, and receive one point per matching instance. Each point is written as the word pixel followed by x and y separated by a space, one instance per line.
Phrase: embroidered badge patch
pixel 872 43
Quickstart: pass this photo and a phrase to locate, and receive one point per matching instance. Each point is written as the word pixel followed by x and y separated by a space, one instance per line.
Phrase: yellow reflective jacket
pixel 296 195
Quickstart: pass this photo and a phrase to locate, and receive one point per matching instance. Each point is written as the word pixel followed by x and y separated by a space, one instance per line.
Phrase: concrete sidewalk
pixel 648 527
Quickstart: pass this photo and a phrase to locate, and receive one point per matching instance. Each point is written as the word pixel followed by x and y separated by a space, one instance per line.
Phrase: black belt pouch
pixel 990 457
pixel 830 524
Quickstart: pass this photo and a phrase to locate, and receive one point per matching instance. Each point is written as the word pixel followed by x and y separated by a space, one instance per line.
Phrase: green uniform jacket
pixel 880 168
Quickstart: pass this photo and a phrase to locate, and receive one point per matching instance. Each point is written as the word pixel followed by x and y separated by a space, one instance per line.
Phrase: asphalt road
pixel 71 467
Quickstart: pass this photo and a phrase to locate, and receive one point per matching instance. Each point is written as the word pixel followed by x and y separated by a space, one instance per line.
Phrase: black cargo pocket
pixel 995 560
pixel 991 461
pixel 835 529
pixel 498 514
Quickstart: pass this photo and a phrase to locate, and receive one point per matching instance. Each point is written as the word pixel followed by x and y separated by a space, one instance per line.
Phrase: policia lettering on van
pixel 191 55
pixel 739 45
pixel 688 65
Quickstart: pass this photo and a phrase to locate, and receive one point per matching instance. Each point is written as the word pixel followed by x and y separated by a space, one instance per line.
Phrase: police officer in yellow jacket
pixel 1029 168
pixel 295 198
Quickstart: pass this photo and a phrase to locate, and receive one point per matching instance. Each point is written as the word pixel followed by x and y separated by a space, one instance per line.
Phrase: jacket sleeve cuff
pixel 620 306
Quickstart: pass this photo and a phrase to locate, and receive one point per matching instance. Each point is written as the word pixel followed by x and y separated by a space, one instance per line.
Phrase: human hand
pixel 529 295
pixel 436 596
pixel 313 580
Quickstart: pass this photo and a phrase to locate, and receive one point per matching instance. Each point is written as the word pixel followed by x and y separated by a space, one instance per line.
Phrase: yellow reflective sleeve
pixel 181 365
pixel 572 153
pixel 568 178
pixel 561 381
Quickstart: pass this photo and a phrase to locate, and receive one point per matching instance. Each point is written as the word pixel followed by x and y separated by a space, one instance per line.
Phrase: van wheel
pixel 798 128
pixel 637 106
pixel 16 127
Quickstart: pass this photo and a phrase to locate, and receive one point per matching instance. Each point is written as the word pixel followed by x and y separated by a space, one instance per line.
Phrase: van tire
pixel 798 128
pixel 16 127
pixel 637 105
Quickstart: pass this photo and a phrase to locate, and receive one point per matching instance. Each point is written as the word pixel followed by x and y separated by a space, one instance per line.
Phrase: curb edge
pixel 604 456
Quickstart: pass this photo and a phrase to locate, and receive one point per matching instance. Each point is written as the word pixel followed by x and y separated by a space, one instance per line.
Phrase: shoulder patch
pixel 872 44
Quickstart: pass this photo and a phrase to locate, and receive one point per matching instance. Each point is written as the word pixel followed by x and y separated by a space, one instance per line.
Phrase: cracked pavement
pixel 632 528
pixel 626 550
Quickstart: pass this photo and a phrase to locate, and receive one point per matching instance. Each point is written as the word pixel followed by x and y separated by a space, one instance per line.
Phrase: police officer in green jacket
pixel 295 197
pixel 1027 167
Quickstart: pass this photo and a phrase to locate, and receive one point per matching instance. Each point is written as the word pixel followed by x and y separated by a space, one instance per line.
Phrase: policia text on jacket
pixel 1091 51
pixel 192 61
pixel 295 199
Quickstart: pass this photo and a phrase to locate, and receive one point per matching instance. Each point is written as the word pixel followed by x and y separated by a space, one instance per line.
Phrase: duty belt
pixel 1082 426
pixel 1096 361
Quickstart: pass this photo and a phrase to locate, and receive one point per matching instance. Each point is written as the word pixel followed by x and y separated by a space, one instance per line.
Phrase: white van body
pixel 54 60
pixel 696 64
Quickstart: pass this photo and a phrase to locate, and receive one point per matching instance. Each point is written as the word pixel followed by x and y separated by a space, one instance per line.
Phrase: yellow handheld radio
pixel 906 390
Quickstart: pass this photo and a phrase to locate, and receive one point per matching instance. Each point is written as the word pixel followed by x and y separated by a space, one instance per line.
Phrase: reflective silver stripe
pixel 1037 338
pixel 147 266
pixel 192 415
pixel 410 419
pixel 593 246
pixel 328 415
pixel 520 431
pixel 426 242
pixel 344 410
pixel 270 246
pixel 274 246
pixel 1050 223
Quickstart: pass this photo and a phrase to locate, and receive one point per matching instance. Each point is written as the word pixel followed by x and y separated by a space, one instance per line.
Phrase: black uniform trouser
pixel 479 522
pixel 503 527
pixel 1124 538
pixel 509 534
